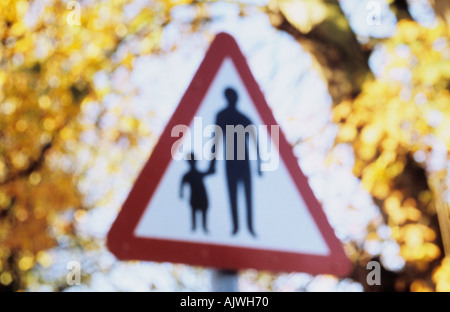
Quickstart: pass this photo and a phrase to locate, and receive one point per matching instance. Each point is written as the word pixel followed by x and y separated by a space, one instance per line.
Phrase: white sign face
pixel 280 219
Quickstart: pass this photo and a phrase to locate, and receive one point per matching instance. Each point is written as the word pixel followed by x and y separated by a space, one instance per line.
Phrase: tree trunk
pixel 442 10
pixel 323 30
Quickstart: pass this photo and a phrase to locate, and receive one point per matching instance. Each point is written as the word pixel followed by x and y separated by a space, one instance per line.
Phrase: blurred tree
pixel 395 126
pixel 389 122
pixel 48 70
pixel 48 63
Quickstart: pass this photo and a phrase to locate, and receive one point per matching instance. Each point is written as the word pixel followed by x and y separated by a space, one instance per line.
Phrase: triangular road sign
pixel 286 230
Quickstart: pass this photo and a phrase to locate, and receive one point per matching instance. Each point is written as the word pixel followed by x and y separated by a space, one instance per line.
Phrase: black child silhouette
pixel 199 198
pixel 237 170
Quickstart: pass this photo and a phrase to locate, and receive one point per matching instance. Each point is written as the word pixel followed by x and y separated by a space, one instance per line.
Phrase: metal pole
pixel 224 281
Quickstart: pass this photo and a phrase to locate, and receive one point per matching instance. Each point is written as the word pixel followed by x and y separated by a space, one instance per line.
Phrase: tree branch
pixel 342 61
pixel 400 9
pixel 35 165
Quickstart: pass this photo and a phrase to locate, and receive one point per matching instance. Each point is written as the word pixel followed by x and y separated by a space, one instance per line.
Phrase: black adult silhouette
pixel 237 169
pixel 199 198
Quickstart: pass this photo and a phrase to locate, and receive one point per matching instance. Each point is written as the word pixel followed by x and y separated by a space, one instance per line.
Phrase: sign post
pixel 225 281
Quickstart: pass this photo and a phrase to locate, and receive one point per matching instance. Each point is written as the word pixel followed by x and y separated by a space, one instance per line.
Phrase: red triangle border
pixel 121 240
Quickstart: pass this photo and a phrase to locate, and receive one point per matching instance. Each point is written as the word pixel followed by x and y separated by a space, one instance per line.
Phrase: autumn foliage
pixel 396 119
pixel 47 70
